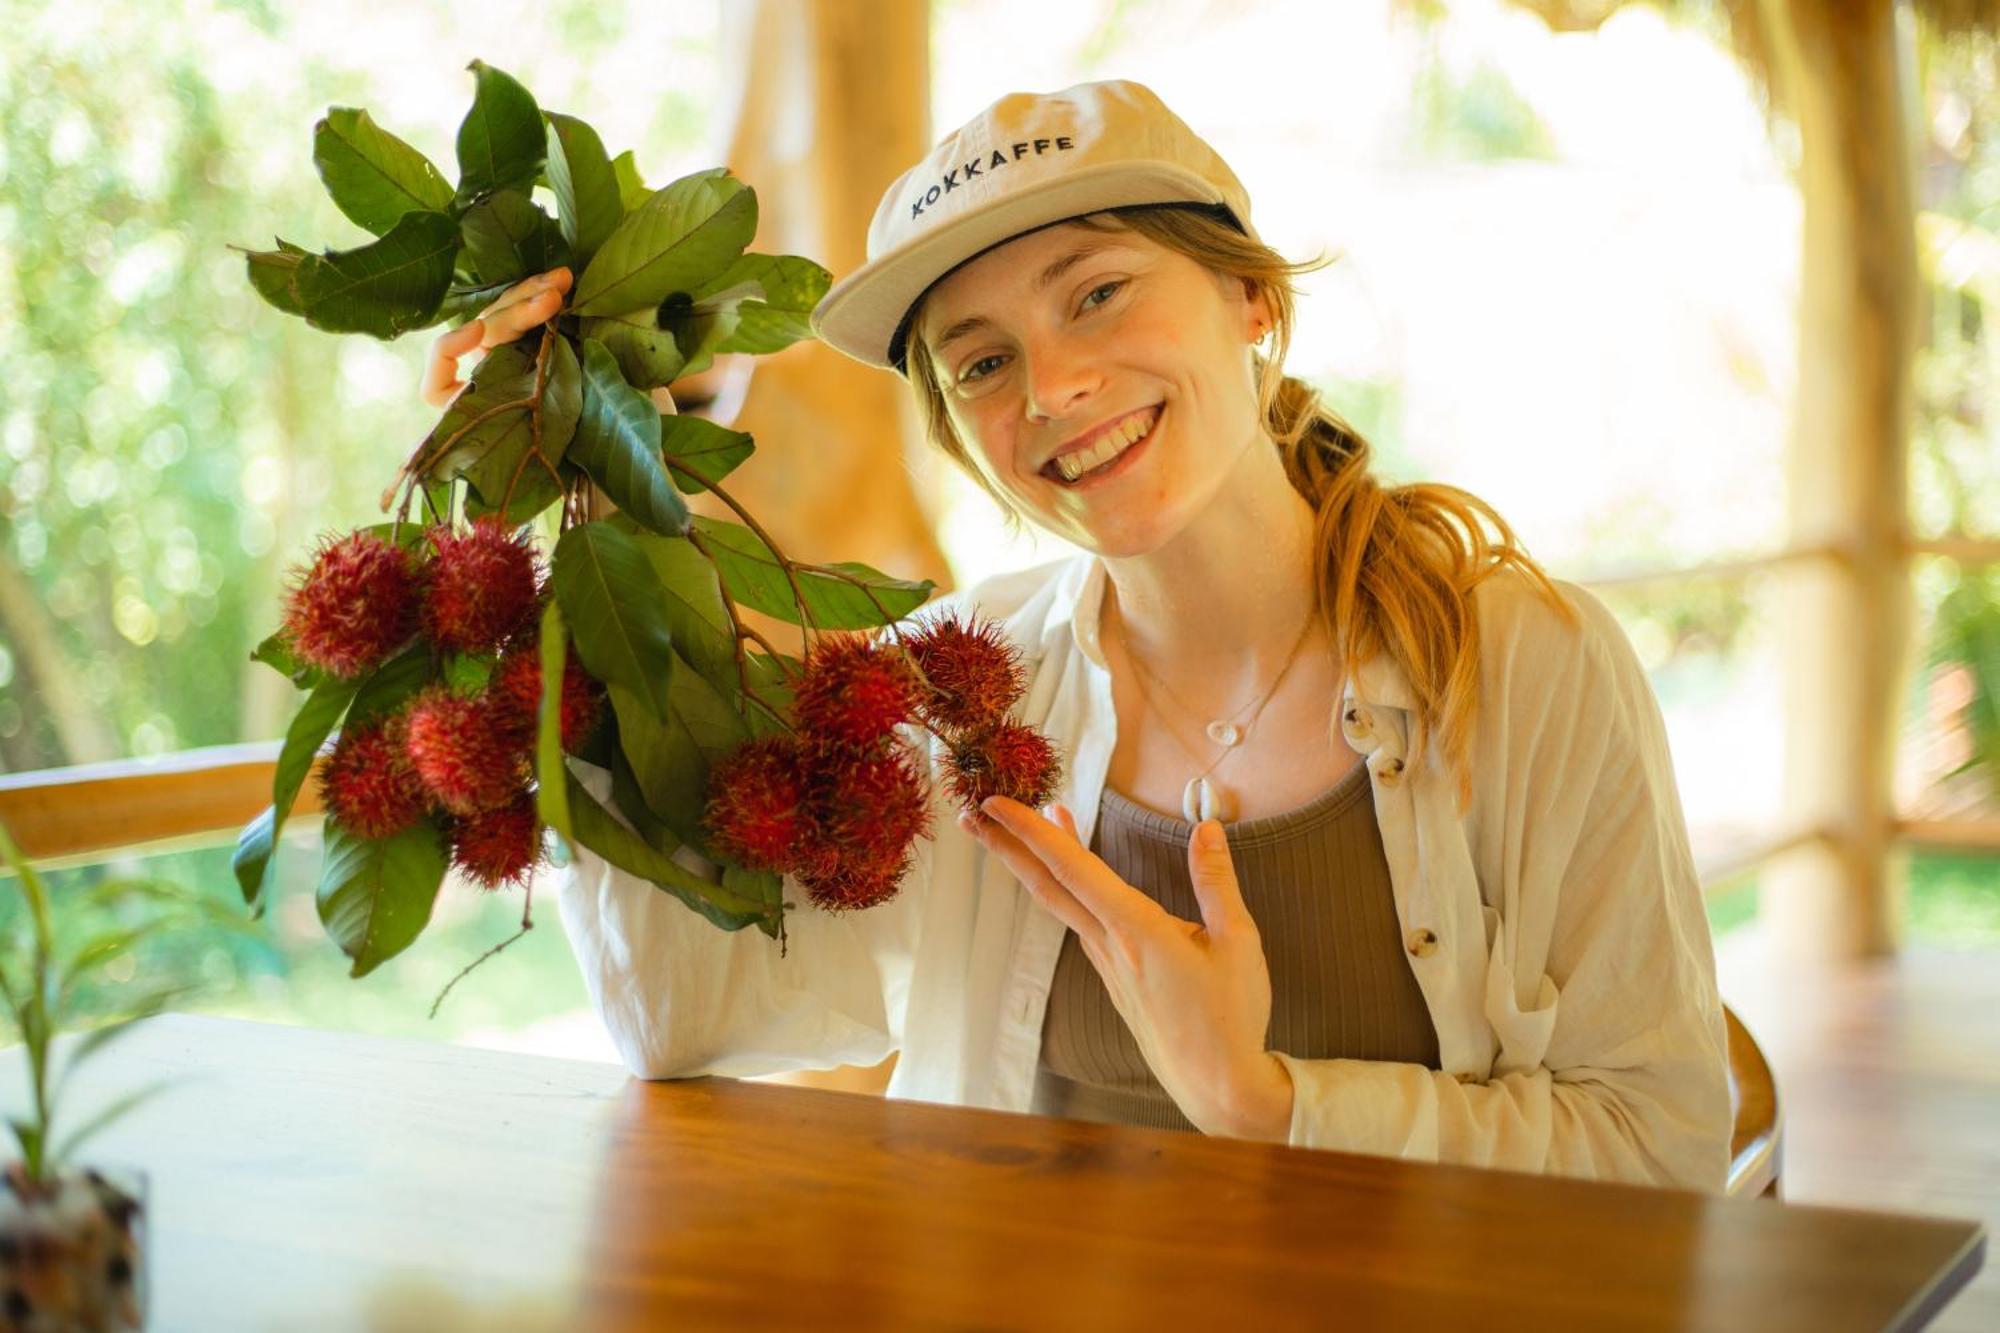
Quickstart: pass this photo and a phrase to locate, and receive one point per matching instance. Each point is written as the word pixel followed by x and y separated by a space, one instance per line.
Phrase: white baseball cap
pixel 1025 162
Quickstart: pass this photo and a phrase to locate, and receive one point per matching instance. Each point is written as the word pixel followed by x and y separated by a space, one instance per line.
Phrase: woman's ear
pixel 1257 319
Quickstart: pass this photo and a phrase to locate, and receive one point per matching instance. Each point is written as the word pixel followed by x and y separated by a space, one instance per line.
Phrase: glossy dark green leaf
pixel 778 314
pixel 648 356
pixel 618 443
pixel 276 653
pixel 373 176
pixel 632 190
pixel 752 576
pixel 509 237
pixel 384 289
pixel 584 184
pixel 309 730
pixel 392 685
pixel 376 894
pixel 599 830
pixel 699 451
pixel 491 424
pixel 500 141
pixel 611 599
pixel 551 789
pixel 671 770
pixel 676 240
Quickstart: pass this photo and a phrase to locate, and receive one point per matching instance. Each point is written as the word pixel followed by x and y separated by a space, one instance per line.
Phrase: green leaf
pixel 786 287
pixel 700 334
pixel 393 682
pixel 509 237
pixel 467 673
pixel 493 452
pixel 376 894
pixel 752 576
pixel 699 451
pixel 385 288
pixel 632 191
pixel 500 141
pixel 309 730
pixel 276 653
pixel 584 184
pixel 600 831
pixel 648 355
pixel 674 242
pixel 618 444
pixel 466 298
pixel 669 766
pixel 692 603
pixel 551 791
pixel 611 600
pixel 373 176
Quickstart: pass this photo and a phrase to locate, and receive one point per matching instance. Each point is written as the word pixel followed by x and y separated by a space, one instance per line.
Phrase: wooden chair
pixel 1755 1149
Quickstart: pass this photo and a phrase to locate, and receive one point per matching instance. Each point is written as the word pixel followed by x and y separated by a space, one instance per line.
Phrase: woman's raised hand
pixel 528 303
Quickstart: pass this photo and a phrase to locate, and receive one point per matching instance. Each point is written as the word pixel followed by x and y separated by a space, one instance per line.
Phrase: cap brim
pixel 860 314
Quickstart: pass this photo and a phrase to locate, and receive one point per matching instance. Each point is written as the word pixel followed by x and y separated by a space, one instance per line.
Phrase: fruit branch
pixel 534 425
pixel 527 924
pixel 785 563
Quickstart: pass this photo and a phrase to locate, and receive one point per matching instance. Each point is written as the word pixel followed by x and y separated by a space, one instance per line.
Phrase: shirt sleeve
pixel 1601 980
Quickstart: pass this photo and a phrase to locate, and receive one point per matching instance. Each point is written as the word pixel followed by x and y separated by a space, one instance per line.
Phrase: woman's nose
pixel 1059 376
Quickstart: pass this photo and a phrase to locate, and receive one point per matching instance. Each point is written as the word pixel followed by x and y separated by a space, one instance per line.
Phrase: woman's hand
pixel 528 303
pixel 1197 997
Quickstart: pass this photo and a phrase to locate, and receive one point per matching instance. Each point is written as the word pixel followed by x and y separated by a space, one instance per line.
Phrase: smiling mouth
pixel 1102 458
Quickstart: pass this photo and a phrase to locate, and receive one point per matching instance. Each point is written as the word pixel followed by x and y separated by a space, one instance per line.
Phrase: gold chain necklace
pixel 1203 798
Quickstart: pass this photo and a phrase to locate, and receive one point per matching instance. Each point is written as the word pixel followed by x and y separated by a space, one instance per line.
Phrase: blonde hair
pixel 1395 566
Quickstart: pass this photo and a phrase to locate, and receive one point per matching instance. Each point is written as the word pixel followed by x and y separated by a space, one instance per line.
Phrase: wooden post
pixel 1846 72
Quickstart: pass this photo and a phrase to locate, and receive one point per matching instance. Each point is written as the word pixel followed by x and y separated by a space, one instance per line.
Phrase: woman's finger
pixel 1035 878
pixel 504 326
pixel 441 382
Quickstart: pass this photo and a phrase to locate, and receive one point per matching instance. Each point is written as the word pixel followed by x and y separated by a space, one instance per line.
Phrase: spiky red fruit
pixel 517 690
pixel 500 846
pixel 974 670
pixel 480 589
pixel 854 884
pixel 353 605
pixel 869 806
pixel 1013 761
pixel 854 691
pixel 469 758
pixel 368 784
pixel 756 804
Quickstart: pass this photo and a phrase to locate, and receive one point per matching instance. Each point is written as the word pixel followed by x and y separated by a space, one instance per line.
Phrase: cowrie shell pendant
pixel 1203 799
pixel 1224 733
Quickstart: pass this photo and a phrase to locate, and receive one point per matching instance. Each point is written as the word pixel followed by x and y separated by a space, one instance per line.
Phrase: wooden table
pixel 303 1179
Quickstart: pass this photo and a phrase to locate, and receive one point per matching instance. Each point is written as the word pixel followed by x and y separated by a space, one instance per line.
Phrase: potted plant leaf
pixel 457 656
pixel 72 1236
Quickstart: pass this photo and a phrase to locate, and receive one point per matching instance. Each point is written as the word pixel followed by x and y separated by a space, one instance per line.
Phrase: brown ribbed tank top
pixel 1316 881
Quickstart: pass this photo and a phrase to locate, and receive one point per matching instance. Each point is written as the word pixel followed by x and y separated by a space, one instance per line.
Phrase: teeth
pixel 1113 444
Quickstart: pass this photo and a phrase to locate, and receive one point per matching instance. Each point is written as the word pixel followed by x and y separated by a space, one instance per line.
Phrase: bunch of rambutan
pixel 840 801
pixel 465 759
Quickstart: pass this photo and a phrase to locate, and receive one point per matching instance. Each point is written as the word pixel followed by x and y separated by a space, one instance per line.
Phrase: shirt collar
pixel 1079 598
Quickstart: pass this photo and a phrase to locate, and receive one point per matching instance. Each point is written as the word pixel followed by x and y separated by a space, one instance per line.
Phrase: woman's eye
pixel 971 369
pixel 1108 286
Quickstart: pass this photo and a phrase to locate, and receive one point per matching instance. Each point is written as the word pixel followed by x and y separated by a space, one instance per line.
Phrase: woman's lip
pixel 1118 465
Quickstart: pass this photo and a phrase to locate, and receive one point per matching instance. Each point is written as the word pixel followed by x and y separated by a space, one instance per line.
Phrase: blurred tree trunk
pixel 832 104
pixel 1846 73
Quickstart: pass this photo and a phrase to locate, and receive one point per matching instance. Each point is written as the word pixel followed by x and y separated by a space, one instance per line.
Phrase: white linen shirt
pixel 1556 928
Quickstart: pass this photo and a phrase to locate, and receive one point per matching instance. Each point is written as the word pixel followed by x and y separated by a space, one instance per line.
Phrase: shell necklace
pixel 1204 798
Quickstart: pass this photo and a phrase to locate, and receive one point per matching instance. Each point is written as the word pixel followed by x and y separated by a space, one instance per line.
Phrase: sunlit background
pixel 1567 282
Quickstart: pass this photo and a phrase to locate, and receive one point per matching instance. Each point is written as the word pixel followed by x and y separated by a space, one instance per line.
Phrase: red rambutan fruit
pixel 470 759
pixel 480 588
pixel 368 784
pixel 516 686
pixel 1014 761
pixel 755 811
pixel 852 885
pixel 869 806
pixel 974 670
pixel 854 691
pixel 500 846
pixel 353 605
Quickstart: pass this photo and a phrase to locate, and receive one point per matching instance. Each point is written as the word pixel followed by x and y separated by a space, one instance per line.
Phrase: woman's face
pixel 1043 343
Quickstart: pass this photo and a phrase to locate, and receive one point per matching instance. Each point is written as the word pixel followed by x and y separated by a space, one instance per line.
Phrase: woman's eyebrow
pixel 1049 275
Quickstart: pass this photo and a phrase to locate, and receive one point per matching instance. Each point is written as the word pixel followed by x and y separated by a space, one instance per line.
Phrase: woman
pixel 1450 912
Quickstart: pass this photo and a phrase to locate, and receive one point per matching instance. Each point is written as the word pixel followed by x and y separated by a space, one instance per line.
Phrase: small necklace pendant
pixel 1224 733
pixel 1203 799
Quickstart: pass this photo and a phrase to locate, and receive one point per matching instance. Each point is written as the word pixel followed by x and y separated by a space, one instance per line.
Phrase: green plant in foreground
pixel 45 981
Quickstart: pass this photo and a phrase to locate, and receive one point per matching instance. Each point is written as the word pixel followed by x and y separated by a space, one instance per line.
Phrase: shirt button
pixel 1356 719
pixel 1391 771
pixel 1423 942
pixel 1466 1076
